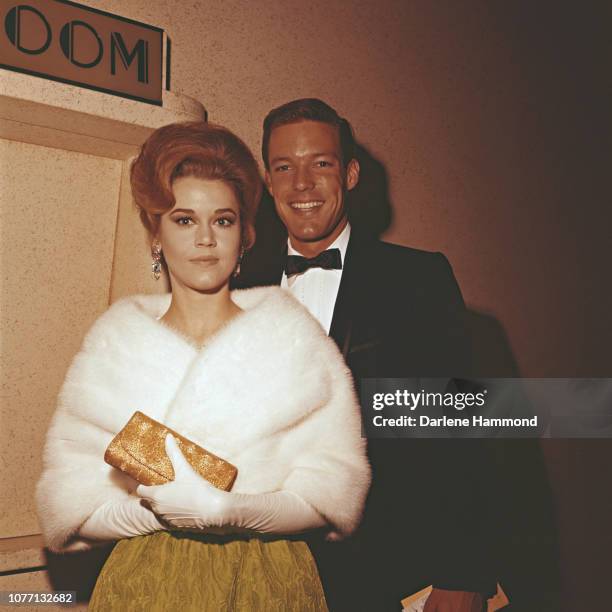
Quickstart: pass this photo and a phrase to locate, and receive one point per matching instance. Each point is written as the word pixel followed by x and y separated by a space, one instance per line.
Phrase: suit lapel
pixel 352 294
pixel 278 266
pixel 347 300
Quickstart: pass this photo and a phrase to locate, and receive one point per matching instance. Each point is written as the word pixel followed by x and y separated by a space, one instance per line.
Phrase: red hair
pixel 201 150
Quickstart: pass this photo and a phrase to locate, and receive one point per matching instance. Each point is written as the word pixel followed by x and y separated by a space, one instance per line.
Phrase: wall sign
pixel 72 43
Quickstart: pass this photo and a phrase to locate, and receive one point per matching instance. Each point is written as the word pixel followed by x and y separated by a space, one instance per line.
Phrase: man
pixel 394 312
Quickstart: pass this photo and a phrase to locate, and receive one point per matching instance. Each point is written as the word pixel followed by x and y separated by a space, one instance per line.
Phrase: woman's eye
pixel 183 220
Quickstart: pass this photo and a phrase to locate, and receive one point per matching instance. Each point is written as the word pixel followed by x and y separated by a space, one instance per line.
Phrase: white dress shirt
pixel 317 288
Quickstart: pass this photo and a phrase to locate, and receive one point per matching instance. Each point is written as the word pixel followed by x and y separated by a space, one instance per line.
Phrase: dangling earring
pixel 236 272
pixel 156 263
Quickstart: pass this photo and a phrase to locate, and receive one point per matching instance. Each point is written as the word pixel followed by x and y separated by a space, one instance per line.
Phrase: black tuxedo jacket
pixel 399 313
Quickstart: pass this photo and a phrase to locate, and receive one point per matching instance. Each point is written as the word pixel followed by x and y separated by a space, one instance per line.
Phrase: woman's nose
pixel 205 236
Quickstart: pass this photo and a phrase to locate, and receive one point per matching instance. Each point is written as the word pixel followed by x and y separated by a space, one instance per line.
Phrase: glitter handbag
pixel 139 451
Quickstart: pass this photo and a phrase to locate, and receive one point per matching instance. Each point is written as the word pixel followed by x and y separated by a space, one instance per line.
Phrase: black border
pixel 112 92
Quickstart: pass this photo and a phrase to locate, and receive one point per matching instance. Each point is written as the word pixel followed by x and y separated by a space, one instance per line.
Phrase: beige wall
pixel 57 236
pixel 58 215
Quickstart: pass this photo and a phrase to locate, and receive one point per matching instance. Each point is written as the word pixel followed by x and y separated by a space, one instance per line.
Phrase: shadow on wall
pixel 369 208
pixel 77 571
pixel 527 541
pixel 493 357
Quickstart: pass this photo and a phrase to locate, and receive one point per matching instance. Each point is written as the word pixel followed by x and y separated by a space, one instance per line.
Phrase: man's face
pixel 308 181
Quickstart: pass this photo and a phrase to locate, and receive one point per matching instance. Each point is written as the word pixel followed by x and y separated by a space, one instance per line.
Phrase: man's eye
pixel 282 168
pixel 323 163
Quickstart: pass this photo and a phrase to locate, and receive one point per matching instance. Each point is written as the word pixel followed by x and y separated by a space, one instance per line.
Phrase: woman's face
pixel 200 236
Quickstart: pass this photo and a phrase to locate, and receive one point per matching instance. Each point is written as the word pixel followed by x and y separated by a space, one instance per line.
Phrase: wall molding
pixel 43 112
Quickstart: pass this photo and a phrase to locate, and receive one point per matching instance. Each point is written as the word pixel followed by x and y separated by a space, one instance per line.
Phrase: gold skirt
pixel 168 571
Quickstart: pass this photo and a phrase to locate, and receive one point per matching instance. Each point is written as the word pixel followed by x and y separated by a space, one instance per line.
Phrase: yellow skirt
pixel 168 571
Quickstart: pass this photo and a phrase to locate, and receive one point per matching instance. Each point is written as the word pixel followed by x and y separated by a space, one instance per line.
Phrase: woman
pixel 248 375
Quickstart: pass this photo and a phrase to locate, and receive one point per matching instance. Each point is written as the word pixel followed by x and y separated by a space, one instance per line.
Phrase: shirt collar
pixel 341 242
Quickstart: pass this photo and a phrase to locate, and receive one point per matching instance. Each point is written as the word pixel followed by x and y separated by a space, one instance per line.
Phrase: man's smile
pixel 306 205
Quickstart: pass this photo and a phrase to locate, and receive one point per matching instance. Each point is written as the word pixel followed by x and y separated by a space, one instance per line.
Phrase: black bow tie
pixel 328 260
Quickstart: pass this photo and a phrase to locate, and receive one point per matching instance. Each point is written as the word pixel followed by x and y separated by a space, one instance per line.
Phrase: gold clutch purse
pixel 139 451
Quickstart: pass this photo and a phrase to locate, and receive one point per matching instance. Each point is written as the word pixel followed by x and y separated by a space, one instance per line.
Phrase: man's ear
pixel 352 174
pixel 268 182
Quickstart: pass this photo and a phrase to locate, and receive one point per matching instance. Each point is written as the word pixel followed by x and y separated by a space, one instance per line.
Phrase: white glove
pixel 191 502
pixel 114 520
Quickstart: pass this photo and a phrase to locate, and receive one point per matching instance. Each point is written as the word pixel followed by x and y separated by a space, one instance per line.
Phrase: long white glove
pixel 114 520
pixel 191 502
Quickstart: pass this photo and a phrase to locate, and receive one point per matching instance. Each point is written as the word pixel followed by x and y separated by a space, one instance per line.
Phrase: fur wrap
pixel 269 392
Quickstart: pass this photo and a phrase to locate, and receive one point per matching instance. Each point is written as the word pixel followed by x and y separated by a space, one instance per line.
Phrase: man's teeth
pixel 305 205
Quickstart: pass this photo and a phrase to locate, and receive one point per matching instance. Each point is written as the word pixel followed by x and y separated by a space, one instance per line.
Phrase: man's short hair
pixel 308 109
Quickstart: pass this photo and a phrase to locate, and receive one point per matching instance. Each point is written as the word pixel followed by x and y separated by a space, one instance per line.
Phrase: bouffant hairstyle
pixel 201 150
pixel 308 109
